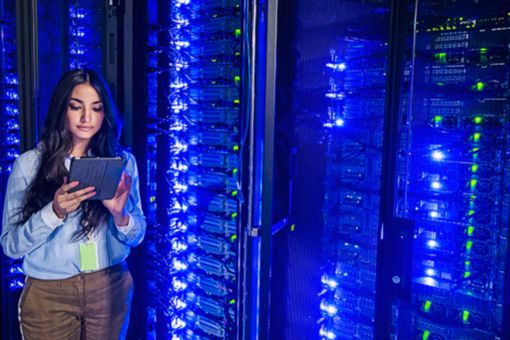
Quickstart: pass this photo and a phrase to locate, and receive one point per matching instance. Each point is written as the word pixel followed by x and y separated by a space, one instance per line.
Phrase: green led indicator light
pixel 234 171
pixel 293 227
pixel 465 316
pixel 471 212
pixel 234 193
pixel 476 137
pixel 469 245
pixel 234 216
pixel 477 120
pixel 425 335
pixel 479 86
pixel 467 264
pixel 483 50
pixel 233 238
pixel 236 148
pixel 236 101
pixel 472 183
pixel 237 80
pixel 232 301
pixel 427 305
pixel 440 84
pixel 238 32
pixel 470 230
pixel 438 119
pixel 441 57
pixel 467 274
pixel 474 168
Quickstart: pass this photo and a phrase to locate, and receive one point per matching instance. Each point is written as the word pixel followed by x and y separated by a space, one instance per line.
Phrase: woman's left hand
pixel 116 204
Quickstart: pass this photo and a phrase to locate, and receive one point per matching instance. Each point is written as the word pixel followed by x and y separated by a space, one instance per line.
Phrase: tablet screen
pixel 101 172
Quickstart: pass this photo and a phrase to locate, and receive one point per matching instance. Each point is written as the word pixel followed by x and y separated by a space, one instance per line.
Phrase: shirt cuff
pixel 125 228
pixel 49 217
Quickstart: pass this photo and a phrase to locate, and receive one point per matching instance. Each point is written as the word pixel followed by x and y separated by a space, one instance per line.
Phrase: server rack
pixel 409 142
pixel 451 176
pixel 10 139
pixel 193 135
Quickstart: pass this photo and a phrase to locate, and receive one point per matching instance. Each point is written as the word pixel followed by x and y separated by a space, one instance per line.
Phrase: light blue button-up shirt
pixel 45 241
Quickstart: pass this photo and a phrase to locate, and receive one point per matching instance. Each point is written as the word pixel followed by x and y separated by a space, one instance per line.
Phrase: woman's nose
pixel 86 115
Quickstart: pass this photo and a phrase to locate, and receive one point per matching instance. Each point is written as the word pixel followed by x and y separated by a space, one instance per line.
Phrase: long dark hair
pixel 56 144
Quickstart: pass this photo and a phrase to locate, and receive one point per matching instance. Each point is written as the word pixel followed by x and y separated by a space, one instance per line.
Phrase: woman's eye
pixel 97 109
pixel 74 107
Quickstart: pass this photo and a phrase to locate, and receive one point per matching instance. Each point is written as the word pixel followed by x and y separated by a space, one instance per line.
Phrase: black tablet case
pixel 102 172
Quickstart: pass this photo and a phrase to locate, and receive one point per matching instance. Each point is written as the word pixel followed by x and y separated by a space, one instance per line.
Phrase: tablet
pixel 103 173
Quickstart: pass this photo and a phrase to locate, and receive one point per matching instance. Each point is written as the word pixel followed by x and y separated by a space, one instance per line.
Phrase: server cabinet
pixel 9 149
pixel 452 171
pixel 394 117
pixel 194 138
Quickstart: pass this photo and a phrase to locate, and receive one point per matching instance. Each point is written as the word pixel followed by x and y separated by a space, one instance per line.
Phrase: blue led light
pixel 434 214
pixel 337 67
pixel 177 225
pixel 177 207
pixel 179 187
pixel 16 284
pixel 178 245
pixel 329 308
pixel 430 272
pixel 429 281
pixel 77 13
pixel 178 285
pixel 179 265
pixel 329 282
pixel 12 111
pixel 432 244
pixel 178 323
pixel 181 44
pixel 178 165
pixel 437 155
pixel 436 185
pixel 339 122
pixel 324 332
pixel 178 303
pixel 336 96
pixel 181 2
pixel 16 270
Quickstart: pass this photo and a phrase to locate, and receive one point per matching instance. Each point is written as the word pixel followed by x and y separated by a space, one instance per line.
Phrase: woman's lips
pixel 85 128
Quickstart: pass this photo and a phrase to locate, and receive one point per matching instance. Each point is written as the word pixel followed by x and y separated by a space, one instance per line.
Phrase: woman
pixel 73 249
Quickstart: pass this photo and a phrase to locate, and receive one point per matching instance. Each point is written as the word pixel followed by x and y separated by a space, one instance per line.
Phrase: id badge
pixel 88 256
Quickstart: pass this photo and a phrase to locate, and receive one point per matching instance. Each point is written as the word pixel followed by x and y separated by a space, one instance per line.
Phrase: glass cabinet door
pixel 330 103
pixel 453 170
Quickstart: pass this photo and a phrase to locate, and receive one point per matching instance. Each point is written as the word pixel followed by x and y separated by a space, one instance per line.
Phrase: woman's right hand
pixel 65 202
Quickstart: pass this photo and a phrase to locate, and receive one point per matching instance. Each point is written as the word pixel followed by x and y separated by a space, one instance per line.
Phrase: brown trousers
pixel 86 306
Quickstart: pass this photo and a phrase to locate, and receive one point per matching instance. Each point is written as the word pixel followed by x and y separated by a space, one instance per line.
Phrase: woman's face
pixel 85 114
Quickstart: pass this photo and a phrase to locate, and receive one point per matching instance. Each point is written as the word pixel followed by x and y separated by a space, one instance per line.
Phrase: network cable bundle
pixel 194 63
pixel 453 170
pixel 10 132
pixel 357 77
